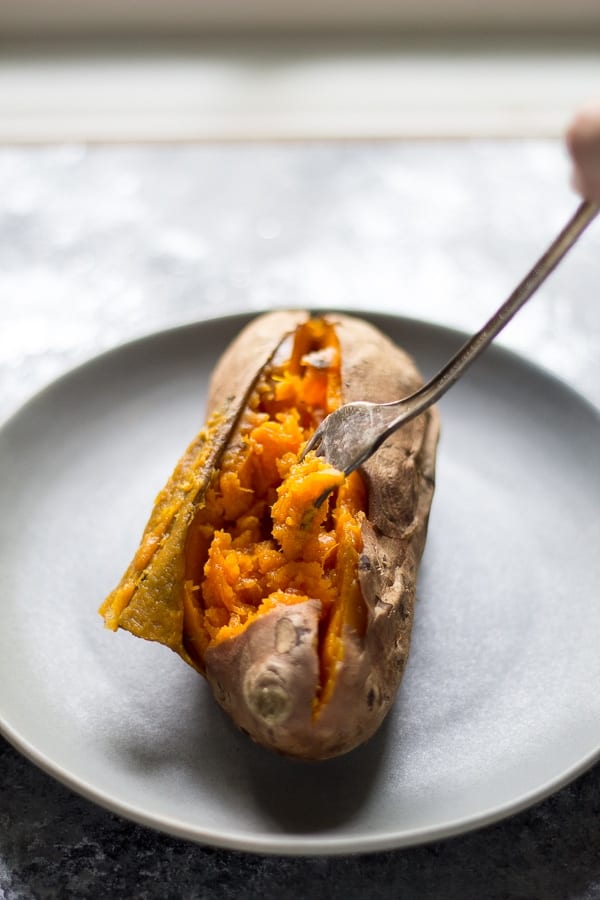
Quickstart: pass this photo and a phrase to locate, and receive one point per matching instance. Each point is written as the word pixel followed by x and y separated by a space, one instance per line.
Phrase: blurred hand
pixel 583 143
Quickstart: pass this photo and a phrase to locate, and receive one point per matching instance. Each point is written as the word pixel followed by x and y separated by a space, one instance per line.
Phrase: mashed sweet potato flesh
pixel 259 541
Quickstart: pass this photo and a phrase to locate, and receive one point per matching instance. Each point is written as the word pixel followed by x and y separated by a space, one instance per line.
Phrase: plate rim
pixel 289 844
pixel 375 315
pixel 286 844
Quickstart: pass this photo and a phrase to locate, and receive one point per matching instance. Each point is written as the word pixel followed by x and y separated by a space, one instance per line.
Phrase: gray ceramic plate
pixel 500 704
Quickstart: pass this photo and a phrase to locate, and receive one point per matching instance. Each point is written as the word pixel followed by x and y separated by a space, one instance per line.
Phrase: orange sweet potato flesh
pixel 299 616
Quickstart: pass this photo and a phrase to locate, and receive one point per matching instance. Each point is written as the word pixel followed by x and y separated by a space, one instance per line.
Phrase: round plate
pixel 500 702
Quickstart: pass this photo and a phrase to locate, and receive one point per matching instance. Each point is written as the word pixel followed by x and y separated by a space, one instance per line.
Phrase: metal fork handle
pixel 468 353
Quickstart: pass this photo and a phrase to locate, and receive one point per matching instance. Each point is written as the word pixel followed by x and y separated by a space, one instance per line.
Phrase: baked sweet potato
pixel 299 616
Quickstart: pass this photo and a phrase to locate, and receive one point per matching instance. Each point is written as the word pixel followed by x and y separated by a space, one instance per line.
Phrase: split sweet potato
pixel 299 616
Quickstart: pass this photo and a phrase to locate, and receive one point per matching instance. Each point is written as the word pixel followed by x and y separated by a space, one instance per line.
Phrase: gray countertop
pixel 104 244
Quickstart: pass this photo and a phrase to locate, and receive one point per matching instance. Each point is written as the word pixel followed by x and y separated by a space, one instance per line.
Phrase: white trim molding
pixel 260 89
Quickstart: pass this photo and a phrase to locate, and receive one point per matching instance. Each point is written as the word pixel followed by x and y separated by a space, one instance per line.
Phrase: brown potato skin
pixel 266 678
pixel 246 356
pixel 155 610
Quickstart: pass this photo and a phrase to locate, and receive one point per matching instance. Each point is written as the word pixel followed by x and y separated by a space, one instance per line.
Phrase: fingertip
pixel 584 129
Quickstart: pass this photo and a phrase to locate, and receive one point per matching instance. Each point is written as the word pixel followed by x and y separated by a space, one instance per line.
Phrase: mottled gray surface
pixel 105 244
pixel 101 245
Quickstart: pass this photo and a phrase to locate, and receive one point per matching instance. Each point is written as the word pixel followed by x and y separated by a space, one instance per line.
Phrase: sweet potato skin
pixel 148 601
pixel 266 677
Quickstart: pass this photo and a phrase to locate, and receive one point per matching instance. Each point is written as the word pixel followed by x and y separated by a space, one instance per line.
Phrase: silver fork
pixel 352 433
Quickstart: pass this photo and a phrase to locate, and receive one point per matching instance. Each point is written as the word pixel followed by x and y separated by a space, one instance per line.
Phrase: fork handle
pixel 468 353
